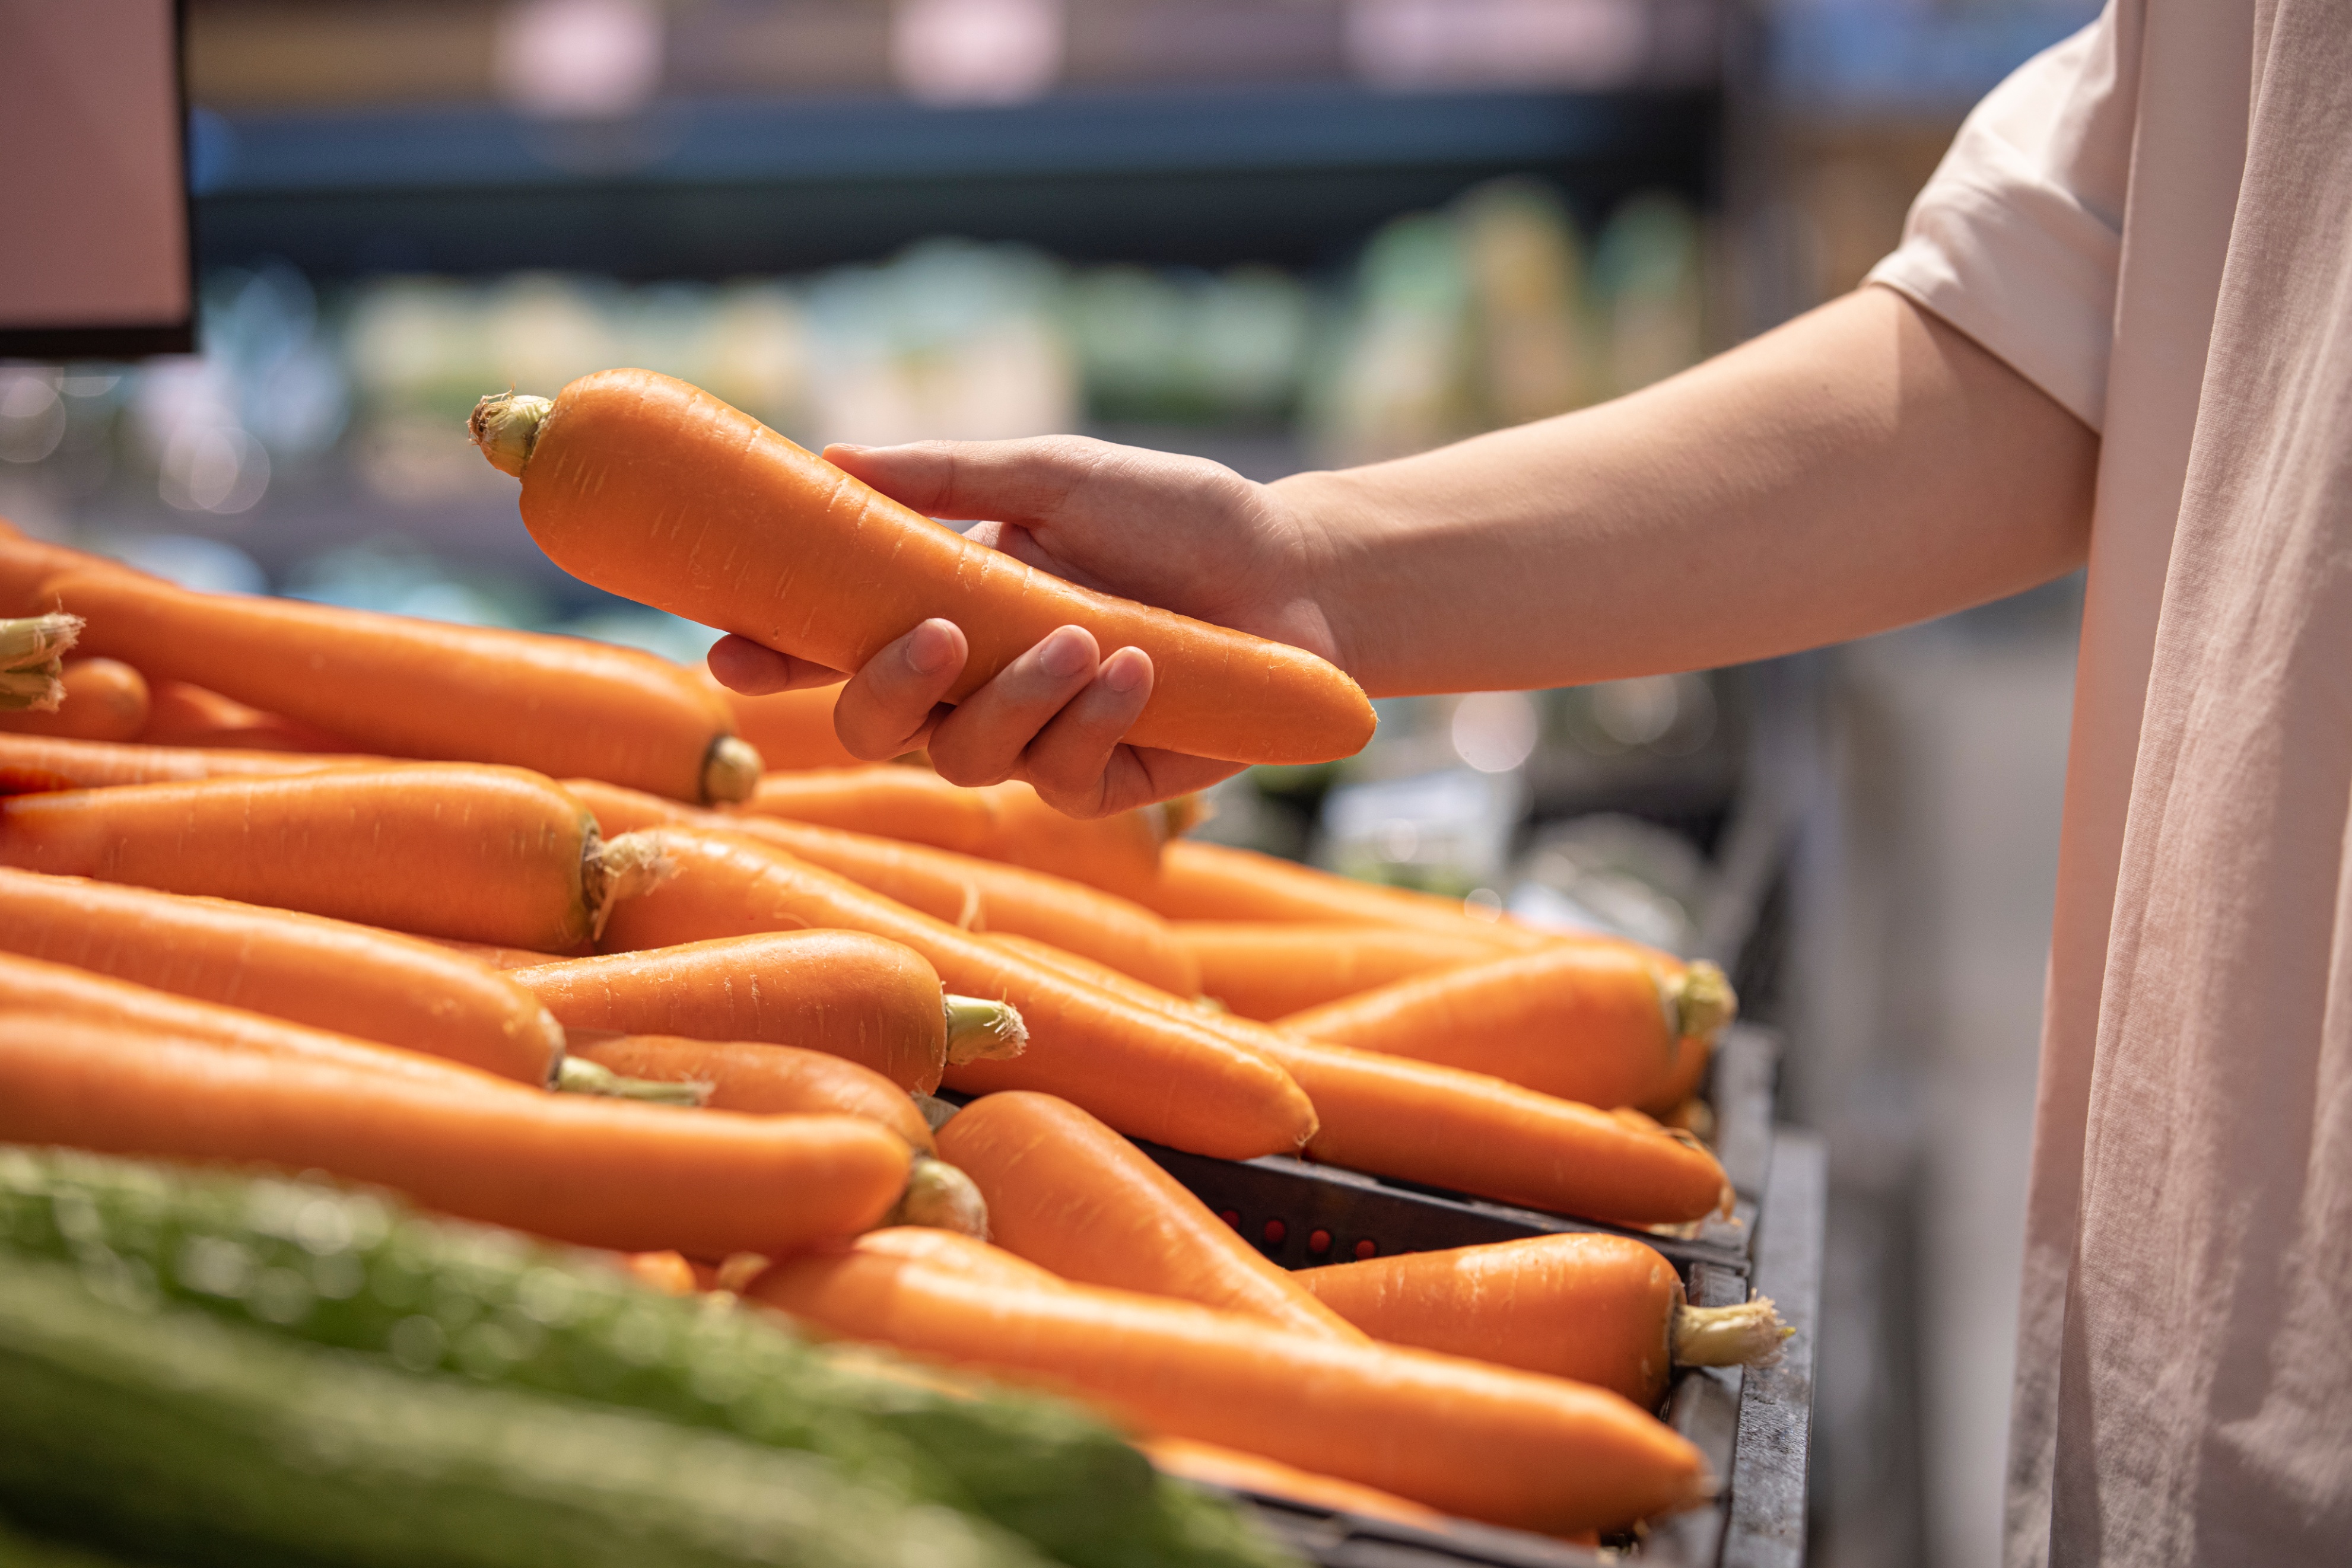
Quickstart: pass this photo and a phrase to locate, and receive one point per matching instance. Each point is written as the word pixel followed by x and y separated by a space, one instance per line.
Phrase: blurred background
pixel 1281 234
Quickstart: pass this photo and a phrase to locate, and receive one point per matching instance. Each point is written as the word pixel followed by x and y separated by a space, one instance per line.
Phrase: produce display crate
pixel 1752 1425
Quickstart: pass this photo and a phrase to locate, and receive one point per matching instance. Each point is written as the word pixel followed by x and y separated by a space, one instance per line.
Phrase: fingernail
pixel 1065 653
pixel 1125 670
pixel 846 446
pixel 930 648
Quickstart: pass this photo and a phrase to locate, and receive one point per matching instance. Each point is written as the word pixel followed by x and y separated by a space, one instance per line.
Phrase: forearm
pixel 1859 468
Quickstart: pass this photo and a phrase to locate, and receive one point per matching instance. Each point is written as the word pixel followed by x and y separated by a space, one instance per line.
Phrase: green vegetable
pixel 165 1429
pixel 358 1271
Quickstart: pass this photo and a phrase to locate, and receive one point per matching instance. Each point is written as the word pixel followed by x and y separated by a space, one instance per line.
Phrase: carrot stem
pixel 940 1197
pixel 732 770
pixel 1703 1001
pixel 1748 1334
pixel 506 425
pixel 616 869
pixel 31 650
pixel 981 1031
pixel 578 1075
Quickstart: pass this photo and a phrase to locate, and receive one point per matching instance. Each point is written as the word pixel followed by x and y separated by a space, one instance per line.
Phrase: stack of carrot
pixel 519 926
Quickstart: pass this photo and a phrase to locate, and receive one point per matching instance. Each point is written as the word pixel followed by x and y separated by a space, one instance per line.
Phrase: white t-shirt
pixel 2153 223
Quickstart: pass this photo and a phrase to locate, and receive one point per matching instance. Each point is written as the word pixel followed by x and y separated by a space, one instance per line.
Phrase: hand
pixel 1183 533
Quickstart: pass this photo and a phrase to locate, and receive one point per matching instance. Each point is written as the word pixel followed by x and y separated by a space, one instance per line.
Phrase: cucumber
pixel 357 1270
pixel 166 1431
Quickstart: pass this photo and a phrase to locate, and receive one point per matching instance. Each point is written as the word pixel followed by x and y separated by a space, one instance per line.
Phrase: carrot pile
pixel 520 927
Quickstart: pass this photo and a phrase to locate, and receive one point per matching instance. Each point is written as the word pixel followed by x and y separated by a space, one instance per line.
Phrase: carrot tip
pixel 980 1030
pixel 942 1197
pixel 505 427
pixel 1748 1334
pixel 731 772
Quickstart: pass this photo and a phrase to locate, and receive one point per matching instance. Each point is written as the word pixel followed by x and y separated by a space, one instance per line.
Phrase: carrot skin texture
pixel 848 994
pixel 1485 1442
pixel 1164 1079
pixel 1070 1195
pixel 1428 1123
pixel 635 1178
pixel 656 490
pixel 1596 1309
pixel 417 688
pixel 1267 969
pixel 34 764
pixel 326 974
pixel 756 1077
pixel 183 714
pixel 1583 1024
pixel 483 854
pixel 105 699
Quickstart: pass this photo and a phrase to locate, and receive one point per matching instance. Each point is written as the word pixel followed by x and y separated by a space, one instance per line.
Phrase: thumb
pixel 1003 481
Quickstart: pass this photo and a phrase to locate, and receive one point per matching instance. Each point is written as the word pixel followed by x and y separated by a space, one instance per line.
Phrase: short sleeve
pixel 2016 238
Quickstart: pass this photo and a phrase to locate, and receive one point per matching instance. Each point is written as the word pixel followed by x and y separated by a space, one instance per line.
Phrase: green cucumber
pixel 359 1271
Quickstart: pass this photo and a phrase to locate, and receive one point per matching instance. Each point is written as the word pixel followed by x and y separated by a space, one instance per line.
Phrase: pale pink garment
pixel 2153 221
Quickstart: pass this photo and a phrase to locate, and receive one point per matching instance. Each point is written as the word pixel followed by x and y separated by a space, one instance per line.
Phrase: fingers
pixel 1078 764
pixel 891 707
pixel 995 479
pixel 743 665
pixel 983 742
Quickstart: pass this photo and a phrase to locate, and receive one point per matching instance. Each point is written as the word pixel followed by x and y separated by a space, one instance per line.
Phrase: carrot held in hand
pixel 423 689
pixel 328 974
pixel 483 854
pixel 658 491
pixel 1265 969
pixel 98 699
pixel 31 763
pixel 1070 1195
pixel 1151 1076
pixel 602 1173
pixel 1486 1442
pixel 760 1078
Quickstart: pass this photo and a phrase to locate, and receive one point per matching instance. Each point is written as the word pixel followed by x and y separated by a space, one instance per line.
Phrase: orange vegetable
pixel 1445 1127
pixel 1235 1471
pixel 1148 1075
pixel 962 890
pixel 104 699
pixel 420 688
pixel 327 974
pixel 656 490
pixel 1603 1309
pixel 756 1076
pixel 1071 1196
pixel 26 564
pixel 1212 881
pixel 31 764
pixel 843 992
pixel 1263 969
pixel 180 714
pixel 1600 1024
pixel 1507 1447
pixel 789 729
pixel 602 1173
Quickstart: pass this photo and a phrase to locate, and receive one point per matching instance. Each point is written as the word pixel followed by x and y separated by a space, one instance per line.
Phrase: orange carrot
pixel 503 958
pixel 1234 1470
pixel 484 854
pixel 1212 882
pixel 1071 1196
pixel 1265 969
pixel 604 1173
pixel 1148 1075
pixel 180 714
pixel 104 699
pixel 1603 1309
pixel 789 729
pixel 756 1076
pixel 31 764
pixel 348 979
pixel 26 564
pixel 35 986
pixel 656 490
pixel 847 994
pixel 419 688
pixel 1599 1024
pixel 962 890
pixel 1393 1116
pixel 1507 1447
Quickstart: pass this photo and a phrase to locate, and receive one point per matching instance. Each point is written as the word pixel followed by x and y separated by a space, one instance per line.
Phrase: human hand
pixel 1183 533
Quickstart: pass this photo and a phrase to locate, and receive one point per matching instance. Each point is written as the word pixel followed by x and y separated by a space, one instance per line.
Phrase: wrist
pixel 1325 531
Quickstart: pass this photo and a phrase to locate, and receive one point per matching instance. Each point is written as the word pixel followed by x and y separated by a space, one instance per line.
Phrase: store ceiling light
pixel 956 52
pixel 580 59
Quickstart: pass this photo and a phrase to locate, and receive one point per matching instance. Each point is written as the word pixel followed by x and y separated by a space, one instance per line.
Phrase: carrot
pixel 1149 1076
pixel 847 994
pixel 180 714
pixel 31 764
pixel 759 1077
pixel 327 974
pixel 420 688
pixel 656 490
pixel 961 889
pixel 789 729
pixel 1212 881
pixel 494 958
pixel 604 1173
pixel 32 661
pixel 1234 1470
pixel 26 564
pixel 484 854
pixel 101 699
pixel 1599 1024
pixel 1507 1447
pixel 1263 969
pixel 1071 1196
pixel 1603 1309
pixel 1445 1127
pixel 35 986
